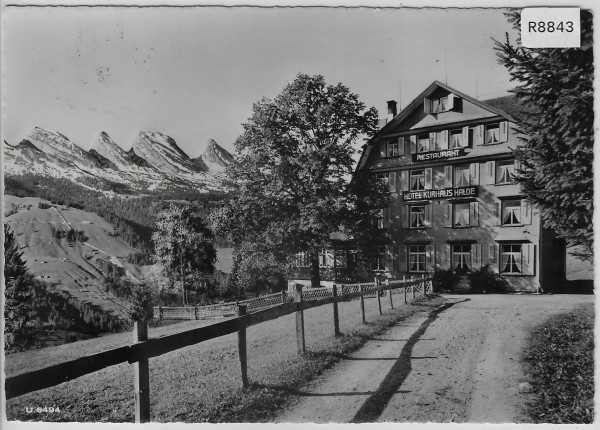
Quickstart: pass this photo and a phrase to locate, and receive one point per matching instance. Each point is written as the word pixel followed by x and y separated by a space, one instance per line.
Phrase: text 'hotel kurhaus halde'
pixel 448 160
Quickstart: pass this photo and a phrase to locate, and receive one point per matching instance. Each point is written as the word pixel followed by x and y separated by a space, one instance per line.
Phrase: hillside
pixel 70 266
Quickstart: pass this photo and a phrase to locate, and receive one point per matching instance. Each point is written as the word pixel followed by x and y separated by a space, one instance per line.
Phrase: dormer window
pixel 439 105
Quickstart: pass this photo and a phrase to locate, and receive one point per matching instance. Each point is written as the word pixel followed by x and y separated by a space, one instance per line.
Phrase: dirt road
pixel 458 364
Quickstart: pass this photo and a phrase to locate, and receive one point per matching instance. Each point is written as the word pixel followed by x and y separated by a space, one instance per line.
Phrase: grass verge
pixel 202 383
pixel 560 364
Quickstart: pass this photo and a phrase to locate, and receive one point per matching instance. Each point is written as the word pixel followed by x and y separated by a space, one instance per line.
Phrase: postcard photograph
pixel 298 214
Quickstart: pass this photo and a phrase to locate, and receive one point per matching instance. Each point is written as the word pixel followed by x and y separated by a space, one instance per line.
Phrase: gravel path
pixel 460 363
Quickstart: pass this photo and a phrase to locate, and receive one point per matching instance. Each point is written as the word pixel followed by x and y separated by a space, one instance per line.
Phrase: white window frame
pixel 341 258
pixel 492 130
pixel 468 212
pixel 439 105
pixel 410 216
pixel 515 211
pixel 377 260
pixel 458 133
pixel 463 256
pixel 455 172
pixel 508 166
pixel 423 148
pixel 419 256
pixel 412 173
pixel 509 255
pixel 392 148
pixel 303 259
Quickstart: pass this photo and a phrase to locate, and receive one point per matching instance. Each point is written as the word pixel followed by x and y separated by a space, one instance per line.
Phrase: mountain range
pixel 153 162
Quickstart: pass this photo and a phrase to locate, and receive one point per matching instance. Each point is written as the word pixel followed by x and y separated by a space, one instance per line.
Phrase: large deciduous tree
pixel 17 295
pixel 556 88
pixel 184 246
pixel 295 159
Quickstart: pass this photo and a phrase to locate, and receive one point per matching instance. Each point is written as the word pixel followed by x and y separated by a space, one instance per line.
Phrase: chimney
pixel 392 111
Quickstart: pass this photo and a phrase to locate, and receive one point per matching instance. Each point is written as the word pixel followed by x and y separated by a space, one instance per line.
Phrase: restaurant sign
pixel 446 193
pixel 447 153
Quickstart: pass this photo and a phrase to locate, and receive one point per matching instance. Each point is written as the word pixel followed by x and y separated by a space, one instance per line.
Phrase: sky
pixel 194 73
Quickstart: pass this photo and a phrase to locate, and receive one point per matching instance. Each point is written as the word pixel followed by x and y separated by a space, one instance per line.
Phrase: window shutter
pixel 525 212
pixel 528 259
pixel 504 131
pixel 387 222
pixel 382 148
pixel 490 171
pixel 433 144
pixel 404 180
pixel 430 258
pixel 389 258
pixel 448 176
pixel 447 214
pixel 403 209
pixel 413 144
pixel 476 256
pixel 395 265
pixel 517 167
pixel 401 143
pixel 492 253
pixel 497 209
pixel 474 214
pixel 407 217
pixel 443 140
pixel 426 105
pixel 450 101
pixel 392 182
pixel 402 255
pixel 465 136
pixel 474 173
pixel 428 215
pixel 448 262
pixel 428 178
pixel 478 135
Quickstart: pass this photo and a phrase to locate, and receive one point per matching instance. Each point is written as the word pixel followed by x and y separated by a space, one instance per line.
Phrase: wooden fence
pixel 143 348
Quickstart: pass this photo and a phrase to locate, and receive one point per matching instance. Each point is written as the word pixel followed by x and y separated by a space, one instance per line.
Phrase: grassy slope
pixel 67 267
pixel 202 383
pixel 560 359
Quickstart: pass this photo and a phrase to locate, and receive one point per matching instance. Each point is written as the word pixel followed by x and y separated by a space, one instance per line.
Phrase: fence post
pixel 390 293
pixel 413 291
pixel 241 311
pixel 141 376
pixel 283 297
pixel 336 320
pixel 160 313
pixel 300 341
pixel 196 312
pixel 405 291
pixel 362 303
pixel 424 286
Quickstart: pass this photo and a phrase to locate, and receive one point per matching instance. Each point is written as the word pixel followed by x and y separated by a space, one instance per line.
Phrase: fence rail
pixel 264 309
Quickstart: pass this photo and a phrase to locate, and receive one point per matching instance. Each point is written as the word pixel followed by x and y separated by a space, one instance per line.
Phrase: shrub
pixel 142 301
pixel 445 279
pixel 483 280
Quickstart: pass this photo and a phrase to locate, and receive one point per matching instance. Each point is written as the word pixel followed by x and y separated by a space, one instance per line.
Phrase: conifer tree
pixel 555 87
pixel 17 305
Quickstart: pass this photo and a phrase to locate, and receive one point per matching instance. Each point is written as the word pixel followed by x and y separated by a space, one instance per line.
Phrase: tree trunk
pixel 315 275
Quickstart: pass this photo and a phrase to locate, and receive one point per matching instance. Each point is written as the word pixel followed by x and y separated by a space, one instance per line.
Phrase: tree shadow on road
pixel 377 402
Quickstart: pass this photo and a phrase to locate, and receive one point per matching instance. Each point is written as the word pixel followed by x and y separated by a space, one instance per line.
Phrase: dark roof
pixel 509 104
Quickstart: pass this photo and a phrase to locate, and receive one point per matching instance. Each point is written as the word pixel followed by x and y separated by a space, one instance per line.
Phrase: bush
pixel 445 279
pixel 560 359
pixel 142 301
pixel 484 280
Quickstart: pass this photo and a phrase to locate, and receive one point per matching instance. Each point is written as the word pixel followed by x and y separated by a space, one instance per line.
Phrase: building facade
pixel 447 158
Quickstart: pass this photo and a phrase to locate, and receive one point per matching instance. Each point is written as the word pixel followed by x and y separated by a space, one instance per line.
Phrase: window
pixel 341 258
pixel 302 259
pixel 417 256
pixel 462 176
pixel 505 172
pixel 378 258
pixel 461 216
pixel 511 212
pixel 417 180
pixel 385 177
pixel 393 147
pixel 423 143
pixel 461 258
pixel 510 259
pixel 378 219
pixel 439 105
pixel 417 216
pixel 325 258
pixel 492 134
pixel 456 139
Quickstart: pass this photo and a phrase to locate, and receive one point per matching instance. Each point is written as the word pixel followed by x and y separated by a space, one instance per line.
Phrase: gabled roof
pixel 496 106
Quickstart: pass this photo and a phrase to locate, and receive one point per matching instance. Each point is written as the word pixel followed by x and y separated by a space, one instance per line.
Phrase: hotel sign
pixel 445 193
pixel 447 153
